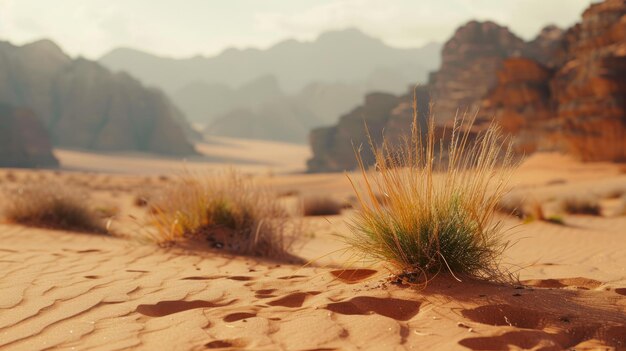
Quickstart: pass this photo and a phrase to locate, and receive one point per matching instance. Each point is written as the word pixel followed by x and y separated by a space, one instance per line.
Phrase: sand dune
pixel 63 290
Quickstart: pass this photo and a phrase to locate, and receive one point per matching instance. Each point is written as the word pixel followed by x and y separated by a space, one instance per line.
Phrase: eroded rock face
pixel 84 105
pixel 564 90
pixel 334 147
pixel 24 143
pixel 590 88
pixel 470 60
pixel 382 116
pixel 521 103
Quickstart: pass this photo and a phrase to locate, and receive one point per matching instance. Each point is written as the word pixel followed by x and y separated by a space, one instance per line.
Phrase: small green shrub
pixel 440 204
pixel 555 219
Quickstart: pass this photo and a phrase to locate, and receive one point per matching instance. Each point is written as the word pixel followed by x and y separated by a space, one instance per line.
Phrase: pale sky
pixel 182 28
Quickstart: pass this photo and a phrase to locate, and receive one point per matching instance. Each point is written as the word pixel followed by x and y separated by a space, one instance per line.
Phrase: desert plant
pixel 581 205
pixel 512 205
pixel 228 211
pixel 555 219
pixel 440 203
pixel 533 211
pixel 320 206
pixel 53 206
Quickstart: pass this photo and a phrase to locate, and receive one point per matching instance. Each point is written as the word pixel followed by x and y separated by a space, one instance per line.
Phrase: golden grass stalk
pixel 53 206
pixel 439 203
pixel 228 212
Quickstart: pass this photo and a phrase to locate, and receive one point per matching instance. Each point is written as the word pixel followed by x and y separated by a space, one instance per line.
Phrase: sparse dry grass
pixel 581 205
pixel 440 205
pixel 54 206
pixel 230 212
pixel 512 206
pixel 320 206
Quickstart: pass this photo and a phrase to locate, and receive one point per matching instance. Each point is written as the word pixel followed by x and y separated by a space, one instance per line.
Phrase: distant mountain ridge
pixel 347 56
pixel 254 93
pixel 82 104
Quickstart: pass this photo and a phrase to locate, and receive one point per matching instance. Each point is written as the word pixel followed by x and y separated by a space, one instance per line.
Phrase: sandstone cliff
pixel 590 88
pixel 24 142
pixel 381 116
pixel 521 103
pixel 563 90
pixel 84 105
pixel 469 62
pixel 578 106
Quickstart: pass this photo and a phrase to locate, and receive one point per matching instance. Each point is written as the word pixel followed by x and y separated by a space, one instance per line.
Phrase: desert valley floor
pixel 71 291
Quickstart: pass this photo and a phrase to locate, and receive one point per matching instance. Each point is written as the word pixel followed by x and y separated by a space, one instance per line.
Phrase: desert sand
pixel 65 290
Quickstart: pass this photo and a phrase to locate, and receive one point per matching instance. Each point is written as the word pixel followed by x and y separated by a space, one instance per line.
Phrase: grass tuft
pixel 440 200
pixel 320 206
pixel 228 212
pixel 52 206
pixel 581 205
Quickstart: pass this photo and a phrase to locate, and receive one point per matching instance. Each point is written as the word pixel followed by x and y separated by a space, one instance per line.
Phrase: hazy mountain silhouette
pixel 82 104
pixel 260 110
pixel 239 92
pixel 346 56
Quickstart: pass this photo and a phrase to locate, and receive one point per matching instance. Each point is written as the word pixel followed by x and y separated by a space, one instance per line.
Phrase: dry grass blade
pixel 440 201
pixel 228 212
pixel 53 206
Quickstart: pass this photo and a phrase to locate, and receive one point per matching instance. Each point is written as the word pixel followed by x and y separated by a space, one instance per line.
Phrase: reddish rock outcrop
pixel 561 91
pixel 590 88
pixel 24 143
pixel 334 147
pixel 470 60
pixel 521 103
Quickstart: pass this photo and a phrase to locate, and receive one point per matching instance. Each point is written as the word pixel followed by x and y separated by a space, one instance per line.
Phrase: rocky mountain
pixel 209 103
pixel 24 142
pixel 563 90
pixel 268 118
pixel 83 105
pixel 469 62
pixel 281 120
pixel 578 106
pixel 380 115
pixel 589 90
pixel 520 103
pixel 346 56
pixel 321 79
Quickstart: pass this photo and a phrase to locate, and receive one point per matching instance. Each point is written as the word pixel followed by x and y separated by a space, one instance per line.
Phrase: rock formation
pixel 521 102
pixel 24 142
pixel 579 105
pixel 469 62
pixel 590 88
pixel 83 105
pixel 564 90
pixel 381 115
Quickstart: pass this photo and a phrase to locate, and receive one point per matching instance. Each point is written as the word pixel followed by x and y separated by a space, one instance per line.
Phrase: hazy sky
pixel 188 27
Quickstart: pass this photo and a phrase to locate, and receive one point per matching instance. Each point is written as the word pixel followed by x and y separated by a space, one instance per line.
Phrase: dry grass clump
pixel 581 205
pixel 440 204
pixel 53 206
pixel 229 212
pixel 321 206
